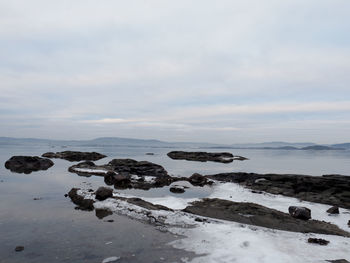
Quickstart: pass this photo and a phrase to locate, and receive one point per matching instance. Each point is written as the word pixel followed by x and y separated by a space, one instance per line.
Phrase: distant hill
pixel 320 148
pixel 342 145
pixel 129 142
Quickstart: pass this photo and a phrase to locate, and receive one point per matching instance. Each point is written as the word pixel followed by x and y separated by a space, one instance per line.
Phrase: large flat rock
pixel 258 215
pixel 75 156
pixel 221 157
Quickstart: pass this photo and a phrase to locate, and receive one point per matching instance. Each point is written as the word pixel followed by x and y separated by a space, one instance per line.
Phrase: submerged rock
pixel 258 215
pixel 102 213
pixel 75 156
pixel 222 157
pixel 319 241
pixel 27 164
pixel 333 210
pixel 300 212
pixel 326 189
pixel 103 193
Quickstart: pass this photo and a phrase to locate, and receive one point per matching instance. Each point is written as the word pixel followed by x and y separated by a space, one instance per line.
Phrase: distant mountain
pixel 129 142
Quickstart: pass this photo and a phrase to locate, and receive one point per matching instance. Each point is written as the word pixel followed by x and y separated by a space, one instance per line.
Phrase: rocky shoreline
pixel 327 189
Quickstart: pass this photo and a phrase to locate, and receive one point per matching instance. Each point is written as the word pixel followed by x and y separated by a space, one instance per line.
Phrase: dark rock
pixel 319 241
pixel 333 210
pixel 149 153
pixel 102 213
pixel 37 198
pixel 103 193
pixel 27 164
pixel 326 189
pixel 339 261
pixel 349 223
pixel 299 212
pixel 19 248
pixel 222 157
pixel 110 221
pixel 177 189
pixel 143 168
pixel 198 180
pixel 254 214
pixel 74 156
pixel 65 195
pixel 80 201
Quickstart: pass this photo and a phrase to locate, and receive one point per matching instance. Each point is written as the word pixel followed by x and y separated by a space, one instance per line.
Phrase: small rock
pixel 177 189
pixel 349 223
pixel 37 198
pixel 102 213
pixel 319 241
pixel 103 193
pixel 198 180
pixel 110 221
pixel 333 210
pixel 65 195
pixel 300 212
pixel 19 248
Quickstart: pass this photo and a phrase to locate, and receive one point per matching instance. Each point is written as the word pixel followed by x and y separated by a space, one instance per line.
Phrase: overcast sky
pixel 187 70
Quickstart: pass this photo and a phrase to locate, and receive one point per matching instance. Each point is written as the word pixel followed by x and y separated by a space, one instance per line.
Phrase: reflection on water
pixel 51 230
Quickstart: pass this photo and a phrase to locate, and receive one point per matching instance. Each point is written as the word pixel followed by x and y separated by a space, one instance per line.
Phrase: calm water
pixel 52 231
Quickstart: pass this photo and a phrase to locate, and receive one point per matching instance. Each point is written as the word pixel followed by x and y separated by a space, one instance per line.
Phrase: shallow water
pixel 51 230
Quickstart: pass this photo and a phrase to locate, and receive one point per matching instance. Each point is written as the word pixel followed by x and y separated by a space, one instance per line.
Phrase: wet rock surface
pixel 75 156
pixel 27 164
pixel 318 241
pixel 254 214
pixel 326 189
pixel 221 157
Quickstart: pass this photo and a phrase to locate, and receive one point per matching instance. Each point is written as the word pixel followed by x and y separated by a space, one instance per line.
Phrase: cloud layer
pixel 233 71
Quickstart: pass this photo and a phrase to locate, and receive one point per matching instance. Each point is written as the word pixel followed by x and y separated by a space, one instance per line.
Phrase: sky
pixel 188 70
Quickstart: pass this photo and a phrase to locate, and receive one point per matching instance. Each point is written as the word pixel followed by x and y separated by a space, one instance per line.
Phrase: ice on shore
pixel 224 241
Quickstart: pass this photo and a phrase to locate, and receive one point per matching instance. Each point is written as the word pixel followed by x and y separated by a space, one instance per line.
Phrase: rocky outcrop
pixel 326 189
pixel 75 156
pixel 221 157
pixel 300 212
pixel 254 214
pixel 128 173
pixel 27 164
pixel 81 202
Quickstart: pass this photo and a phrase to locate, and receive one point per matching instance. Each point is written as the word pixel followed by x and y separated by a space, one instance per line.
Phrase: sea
pixel 35 214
